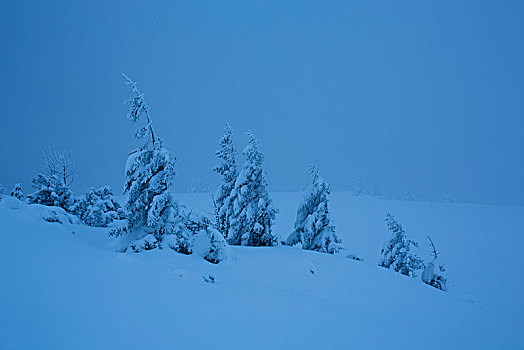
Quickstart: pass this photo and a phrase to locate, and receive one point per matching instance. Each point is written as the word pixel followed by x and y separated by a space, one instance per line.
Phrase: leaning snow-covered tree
pixel 433 273
pixel 396 253
pixel 229 172
pixel 98 207
pixel 151 212
pixel 17 192
pixel 313 228
pixel 51 191
pixel 250 214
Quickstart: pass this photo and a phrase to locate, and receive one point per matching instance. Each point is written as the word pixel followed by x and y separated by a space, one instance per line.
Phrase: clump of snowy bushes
pixel 17 192
pixel 98 207
pixel 51 191
pixel 52 184
pixel 397 256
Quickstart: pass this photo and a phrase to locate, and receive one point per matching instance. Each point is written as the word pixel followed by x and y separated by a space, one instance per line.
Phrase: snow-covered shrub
pixel 151 212
pixel 51 191
pixel 17 192
pixel 250 213
pixel 54 214
pixel 313 228
pixel 433 273
pixel 396 253
pixel 207 241
pixel 212 245
pixel 98 207
pixel 229 172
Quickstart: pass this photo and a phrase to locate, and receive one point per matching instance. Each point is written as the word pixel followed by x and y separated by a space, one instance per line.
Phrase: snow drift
pixel 65 287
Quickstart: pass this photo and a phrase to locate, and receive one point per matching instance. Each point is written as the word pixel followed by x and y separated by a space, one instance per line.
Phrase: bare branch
pixel 435 253
pixel 59 165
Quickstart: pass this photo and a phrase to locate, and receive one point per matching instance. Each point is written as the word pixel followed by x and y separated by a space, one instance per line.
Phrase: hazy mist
pixel 425 97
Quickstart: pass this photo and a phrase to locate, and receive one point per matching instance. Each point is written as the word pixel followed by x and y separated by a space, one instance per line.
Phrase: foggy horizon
pixel 424 98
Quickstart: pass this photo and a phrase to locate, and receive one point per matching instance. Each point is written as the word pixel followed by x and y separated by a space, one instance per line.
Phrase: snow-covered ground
pixel 65 287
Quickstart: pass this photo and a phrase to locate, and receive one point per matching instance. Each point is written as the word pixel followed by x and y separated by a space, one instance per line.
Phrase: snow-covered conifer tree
pixel 313 228
pixel 396 253
pixel 98 207
pixel 51 191
pixel 433 273
pixel 250 213
pixel 151 211
pixel 17 192
pixel 2 191
pixel 229 172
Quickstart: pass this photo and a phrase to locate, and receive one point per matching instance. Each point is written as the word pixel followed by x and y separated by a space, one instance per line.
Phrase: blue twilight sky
pixel 419 96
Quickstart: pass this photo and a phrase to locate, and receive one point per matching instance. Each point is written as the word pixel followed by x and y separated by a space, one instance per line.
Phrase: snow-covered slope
pixel 64 286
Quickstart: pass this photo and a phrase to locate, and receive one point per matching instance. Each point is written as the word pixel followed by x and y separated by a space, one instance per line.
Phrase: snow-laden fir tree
pixel 17 192
pixel 229 172
pixel 433 273
pixel 51 191
pixel 98 207
pixel 250 213
pixel 396 253
pixel 151 212
pixel 313 228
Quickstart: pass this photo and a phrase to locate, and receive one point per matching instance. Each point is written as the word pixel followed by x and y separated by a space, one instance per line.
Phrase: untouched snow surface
pixel 64 286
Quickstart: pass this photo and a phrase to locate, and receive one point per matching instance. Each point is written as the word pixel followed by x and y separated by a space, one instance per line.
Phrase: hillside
pixel 65 287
